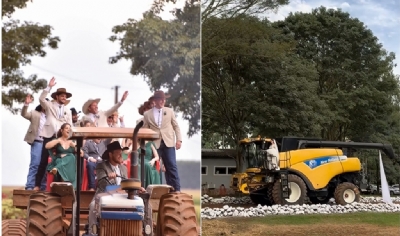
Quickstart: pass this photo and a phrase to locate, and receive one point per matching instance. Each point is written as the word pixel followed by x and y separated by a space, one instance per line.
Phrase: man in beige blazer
pixel 56 115
pixel 162 120
pixel 37 118
pixel 99 118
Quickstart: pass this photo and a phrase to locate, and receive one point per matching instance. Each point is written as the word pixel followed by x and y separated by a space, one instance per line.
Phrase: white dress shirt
pixel 158 116
pixel 118 172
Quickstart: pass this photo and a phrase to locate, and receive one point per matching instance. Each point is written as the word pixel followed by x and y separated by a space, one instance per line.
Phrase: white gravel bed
pixel 367 204
pixel 246 200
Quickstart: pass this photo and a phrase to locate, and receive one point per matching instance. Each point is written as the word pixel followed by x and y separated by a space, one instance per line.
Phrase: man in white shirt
pixel 56 115
pixel 162 120
pixel 99 118
pixel 37 118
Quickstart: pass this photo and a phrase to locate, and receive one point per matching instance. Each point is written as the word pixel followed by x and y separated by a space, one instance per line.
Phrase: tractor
pixel 121 210
pixel 309 168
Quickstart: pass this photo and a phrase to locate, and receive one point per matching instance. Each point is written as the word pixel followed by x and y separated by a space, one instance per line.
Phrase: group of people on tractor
pixel 50 128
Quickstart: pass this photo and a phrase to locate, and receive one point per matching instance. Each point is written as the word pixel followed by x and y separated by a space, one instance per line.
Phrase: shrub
pixel 11 212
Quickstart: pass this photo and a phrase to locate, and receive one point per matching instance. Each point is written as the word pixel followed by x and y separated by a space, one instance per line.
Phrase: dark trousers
pixel 91 166
pixel 43 163
pixel 167 154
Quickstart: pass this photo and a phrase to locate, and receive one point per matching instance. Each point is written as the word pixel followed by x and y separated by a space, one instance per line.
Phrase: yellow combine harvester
pixel 305 167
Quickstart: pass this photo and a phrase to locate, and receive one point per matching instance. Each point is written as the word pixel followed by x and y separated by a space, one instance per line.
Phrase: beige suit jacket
pixel 34 117
pixel 169 131
pixel 102 121
pixel 53 122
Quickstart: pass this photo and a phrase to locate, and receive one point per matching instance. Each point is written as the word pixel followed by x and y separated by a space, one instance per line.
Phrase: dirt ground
pixel 221 228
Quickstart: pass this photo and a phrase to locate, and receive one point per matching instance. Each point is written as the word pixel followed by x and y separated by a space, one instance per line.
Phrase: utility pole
pixel 116 93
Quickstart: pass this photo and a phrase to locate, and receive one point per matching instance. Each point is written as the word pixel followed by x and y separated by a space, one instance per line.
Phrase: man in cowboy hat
pixel 99 118
pixel 109 172
pixel 74 114
pixel 57 114
pixel 162 120
pixel 37 118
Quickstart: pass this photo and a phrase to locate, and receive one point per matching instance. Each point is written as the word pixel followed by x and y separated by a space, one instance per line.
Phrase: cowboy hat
pixel 160 94
pixel 39 107
pixel 87 104
pixel 60 91
pixel 73 111
pixel 111 147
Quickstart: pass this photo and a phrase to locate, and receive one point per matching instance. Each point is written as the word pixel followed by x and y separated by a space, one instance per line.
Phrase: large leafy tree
pixel 233 8
pixel 355 74
pixel 253 79
pixel 167 54
pixel 355 79
pixel 20 42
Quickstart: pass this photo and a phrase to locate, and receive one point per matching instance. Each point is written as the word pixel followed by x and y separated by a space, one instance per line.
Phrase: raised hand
pixel 52 82
pixel 28 99
pixel 124 96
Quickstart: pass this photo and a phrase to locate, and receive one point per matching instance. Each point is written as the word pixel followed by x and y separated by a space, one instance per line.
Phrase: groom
pixel 162 120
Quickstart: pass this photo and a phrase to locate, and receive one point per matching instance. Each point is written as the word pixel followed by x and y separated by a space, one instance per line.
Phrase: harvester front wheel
pixel 346 193
pixel 176 215
pixel 45 214
pixel 13 227
pixel 297 192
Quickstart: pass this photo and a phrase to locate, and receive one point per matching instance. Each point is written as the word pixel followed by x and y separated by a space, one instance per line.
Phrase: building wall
pixel 224 167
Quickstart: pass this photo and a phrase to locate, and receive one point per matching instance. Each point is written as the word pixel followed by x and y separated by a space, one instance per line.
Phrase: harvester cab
pixel 312 168
pixel 253 161
pixel 120 210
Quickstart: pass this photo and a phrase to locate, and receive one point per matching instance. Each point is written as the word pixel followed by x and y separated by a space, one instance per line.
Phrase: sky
pixel 80 65
pixel 382 17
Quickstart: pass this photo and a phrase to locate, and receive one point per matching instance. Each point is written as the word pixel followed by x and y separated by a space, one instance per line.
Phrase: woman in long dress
pixel 63 163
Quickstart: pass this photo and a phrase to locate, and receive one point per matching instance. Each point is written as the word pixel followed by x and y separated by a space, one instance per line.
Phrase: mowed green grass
pixel 381 219
pixel 330 224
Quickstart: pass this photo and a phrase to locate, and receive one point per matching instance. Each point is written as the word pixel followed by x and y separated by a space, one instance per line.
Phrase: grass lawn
pixel 316 225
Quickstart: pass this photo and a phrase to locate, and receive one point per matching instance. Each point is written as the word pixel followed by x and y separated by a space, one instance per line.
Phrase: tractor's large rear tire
pixel 45 215
pixel 297 192
pixel 346 193
pixel 16 227
pixel 176 216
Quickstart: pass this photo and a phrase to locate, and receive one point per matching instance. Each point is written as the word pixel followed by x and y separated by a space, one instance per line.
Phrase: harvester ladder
pixel 284 184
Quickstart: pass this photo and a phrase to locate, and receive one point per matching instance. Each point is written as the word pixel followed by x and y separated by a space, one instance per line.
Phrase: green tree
pixel 21 41
pixel 253 79
pixel 233 8
pixel 355 74
pixel 167 54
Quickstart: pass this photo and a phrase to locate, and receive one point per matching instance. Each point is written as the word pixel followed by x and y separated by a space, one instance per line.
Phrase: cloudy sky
pixel 80 64
pixel 382 17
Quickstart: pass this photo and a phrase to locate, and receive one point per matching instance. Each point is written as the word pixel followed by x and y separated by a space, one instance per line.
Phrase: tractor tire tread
pixel 177 220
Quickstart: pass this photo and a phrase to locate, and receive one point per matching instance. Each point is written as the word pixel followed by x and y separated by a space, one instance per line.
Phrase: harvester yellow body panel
pixel 319 166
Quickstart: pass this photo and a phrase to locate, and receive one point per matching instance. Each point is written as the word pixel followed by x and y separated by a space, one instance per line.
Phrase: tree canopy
pixel 166 54
pixel 21 41
pixel 320 74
